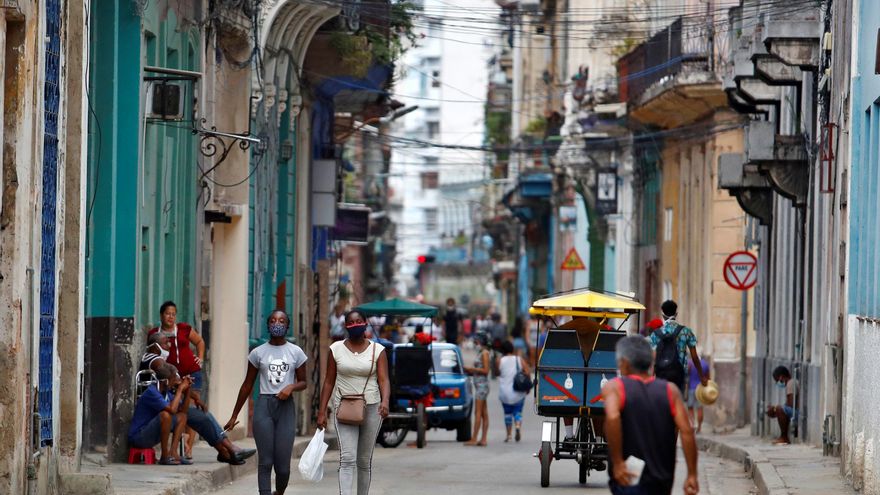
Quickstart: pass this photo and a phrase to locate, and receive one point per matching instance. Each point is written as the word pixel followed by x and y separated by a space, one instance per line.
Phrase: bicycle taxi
pixel 577 358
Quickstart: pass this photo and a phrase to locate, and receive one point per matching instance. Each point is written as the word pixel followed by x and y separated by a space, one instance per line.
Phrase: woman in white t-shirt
pixel 357 366
pixel 511 400
pixel 282 371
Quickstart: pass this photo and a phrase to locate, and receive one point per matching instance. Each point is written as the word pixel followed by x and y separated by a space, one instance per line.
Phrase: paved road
pixel 446 467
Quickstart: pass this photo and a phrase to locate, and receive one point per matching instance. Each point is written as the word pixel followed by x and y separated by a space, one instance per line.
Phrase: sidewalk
pixel 204 475
pixel 779 470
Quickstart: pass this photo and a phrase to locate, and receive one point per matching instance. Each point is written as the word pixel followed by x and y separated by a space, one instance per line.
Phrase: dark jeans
pixel 204 424
pixel 640 489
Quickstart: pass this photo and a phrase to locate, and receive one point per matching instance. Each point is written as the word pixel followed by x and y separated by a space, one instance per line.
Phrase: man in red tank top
pixel 643 418
pixel 182 337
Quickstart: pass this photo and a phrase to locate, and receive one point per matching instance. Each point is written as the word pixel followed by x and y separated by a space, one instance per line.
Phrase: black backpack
pixel 667 365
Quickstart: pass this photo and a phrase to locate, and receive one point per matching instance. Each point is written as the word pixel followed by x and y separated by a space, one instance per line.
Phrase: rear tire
pixel 421 426
pixel 546 456
pixel 392 439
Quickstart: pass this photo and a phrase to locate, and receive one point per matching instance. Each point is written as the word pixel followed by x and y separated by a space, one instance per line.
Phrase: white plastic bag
pixel 311 464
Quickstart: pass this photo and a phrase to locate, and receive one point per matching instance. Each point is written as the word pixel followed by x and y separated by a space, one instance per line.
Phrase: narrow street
pixel 445 466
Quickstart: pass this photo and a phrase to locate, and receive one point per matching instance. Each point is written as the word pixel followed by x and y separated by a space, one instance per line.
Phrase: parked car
pixel 453 396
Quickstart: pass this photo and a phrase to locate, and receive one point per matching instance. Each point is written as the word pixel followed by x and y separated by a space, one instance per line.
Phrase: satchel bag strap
pixel 372 362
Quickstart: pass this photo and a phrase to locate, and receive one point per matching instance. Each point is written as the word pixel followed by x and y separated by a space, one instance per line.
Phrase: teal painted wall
pixel 169 206
pixel 142 228
pixel 112 208
pixel 272 215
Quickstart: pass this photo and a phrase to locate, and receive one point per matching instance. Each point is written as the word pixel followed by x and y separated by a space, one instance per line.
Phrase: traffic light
pixel 426 258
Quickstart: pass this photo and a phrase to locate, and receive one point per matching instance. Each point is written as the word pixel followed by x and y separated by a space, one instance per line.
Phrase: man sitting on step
pixel 164 411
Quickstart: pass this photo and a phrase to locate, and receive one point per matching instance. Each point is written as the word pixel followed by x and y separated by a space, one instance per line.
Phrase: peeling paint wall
pixel 23 42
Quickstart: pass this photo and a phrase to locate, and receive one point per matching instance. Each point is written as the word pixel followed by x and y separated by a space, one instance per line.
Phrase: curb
pixel 191 483
pixel 761 470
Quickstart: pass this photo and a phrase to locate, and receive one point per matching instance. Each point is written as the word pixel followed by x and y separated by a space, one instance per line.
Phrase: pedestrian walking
pixel 695 407
pixel 671 344
pixel 480 375
pixel 182 338
pixel 337 322
pixel 357 377
pixel 786 412
pixel 281 368
pixel 518 334
pixel 644 416
pixel 511 400
pixel 451 322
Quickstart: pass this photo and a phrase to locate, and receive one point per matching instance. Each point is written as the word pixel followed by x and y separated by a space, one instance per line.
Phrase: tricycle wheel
pixel 546 455
pixel 421 426
pixel 583 469
pixel 392 438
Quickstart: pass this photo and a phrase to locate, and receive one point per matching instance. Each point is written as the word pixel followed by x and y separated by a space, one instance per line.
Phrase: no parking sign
pixel 741 270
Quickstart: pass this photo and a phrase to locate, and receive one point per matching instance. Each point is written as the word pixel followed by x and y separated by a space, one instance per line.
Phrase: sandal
pixel 186 461
pixel 518 437
pixel 169 461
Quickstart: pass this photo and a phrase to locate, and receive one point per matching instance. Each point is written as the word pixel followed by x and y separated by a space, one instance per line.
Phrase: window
pixel 434 26
pixel 433 130
pixel 667 225
pixel 431 161
pixel 431 219
pixel 435 78
pixel 429 180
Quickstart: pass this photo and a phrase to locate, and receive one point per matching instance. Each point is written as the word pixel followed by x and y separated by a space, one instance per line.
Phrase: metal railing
pixel 687 44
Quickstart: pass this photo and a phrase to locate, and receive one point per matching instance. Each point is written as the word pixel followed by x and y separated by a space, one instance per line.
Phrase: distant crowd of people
pixel 660 365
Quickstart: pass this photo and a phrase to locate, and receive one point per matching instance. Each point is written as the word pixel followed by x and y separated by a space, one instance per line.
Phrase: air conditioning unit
pixel 165 101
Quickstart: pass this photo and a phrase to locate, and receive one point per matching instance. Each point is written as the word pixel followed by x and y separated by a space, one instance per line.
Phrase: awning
pixel 586 303
pixel 396 307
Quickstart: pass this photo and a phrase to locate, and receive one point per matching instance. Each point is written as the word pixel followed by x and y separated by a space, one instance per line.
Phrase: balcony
pixel 745 183
pixel 670 80
pixel 782 159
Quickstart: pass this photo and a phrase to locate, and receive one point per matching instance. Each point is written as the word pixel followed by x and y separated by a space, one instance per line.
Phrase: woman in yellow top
pixel 358 366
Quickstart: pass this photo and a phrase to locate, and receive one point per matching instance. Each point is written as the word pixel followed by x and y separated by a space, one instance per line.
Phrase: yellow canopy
pixel 586 303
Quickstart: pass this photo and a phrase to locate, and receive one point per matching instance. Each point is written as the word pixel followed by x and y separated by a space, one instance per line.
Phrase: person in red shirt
pixel 420 337
pixel 182 338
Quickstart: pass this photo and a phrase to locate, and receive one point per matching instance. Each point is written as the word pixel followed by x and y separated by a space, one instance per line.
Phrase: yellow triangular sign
pixel 573 261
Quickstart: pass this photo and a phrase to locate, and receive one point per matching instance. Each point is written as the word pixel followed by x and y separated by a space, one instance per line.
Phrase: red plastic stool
pixel 141 456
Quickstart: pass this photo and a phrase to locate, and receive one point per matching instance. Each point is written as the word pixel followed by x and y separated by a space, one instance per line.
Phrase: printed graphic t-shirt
pixel 277 365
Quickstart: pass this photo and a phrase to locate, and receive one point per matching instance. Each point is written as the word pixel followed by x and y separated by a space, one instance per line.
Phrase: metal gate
pixel 48 252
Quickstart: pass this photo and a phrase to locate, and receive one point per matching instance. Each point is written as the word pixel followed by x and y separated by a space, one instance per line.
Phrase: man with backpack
pixel 671 343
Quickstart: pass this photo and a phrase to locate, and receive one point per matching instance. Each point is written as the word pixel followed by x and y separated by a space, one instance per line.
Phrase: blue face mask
pixel 357 330
pixel 780 384
pixel 277 329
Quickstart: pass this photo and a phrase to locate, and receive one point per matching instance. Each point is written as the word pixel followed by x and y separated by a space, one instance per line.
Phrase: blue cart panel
pixel 567 383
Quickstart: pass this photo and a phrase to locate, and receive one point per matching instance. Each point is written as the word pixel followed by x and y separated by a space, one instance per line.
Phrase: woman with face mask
pixel 181 339
pixel 357 367
pixel 282 371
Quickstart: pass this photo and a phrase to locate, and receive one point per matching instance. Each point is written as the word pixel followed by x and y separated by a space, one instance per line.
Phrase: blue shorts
pixel 197 380
pixel 789 411
pixel 150 434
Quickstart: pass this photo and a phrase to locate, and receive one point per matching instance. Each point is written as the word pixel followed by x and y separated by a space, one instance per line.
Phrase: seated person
pixel 164 411
pixel 156 353
pixel 786 412
pixel 420 337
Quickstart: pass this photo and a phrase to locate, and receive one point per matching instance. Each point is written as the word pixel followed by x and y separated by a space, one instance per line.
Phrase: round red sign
pixel 741 270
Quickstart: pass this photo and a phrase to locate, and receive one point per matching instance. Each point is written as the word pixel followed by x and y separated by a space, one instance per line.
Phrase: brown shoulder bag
pixel 353 408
